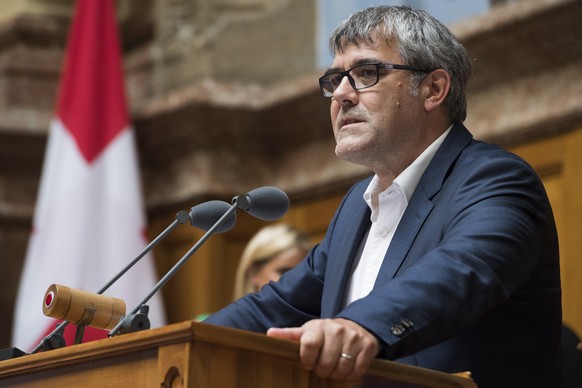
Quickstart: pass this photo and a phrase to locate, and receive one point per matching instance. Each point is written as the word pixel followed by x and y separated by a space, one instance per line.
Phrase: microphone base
pixel 54 340
pixel 136 322
pixel 10 353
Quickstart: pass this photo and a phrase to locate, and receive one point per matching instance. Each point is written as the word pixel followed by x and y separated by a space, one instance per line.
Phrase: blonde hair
pixel 266 244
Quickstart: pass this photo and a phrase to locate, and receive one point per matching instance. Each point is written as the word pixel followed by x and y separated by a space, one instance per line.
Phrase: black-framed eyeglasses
pixel 360 76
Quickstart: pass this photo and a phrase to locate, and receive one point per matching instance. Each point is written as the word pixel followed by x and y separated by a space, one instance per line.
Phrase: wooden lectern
pixel 191 354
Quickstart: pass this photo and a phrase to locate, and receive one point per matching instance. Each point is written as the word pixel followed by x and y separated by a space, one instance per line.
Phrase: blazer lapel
pixel 347 238
pixel 421 203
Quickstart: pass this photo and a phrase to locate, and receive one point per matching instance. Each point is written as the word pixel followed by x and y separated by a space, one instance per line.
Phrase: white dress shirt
pixel 386 214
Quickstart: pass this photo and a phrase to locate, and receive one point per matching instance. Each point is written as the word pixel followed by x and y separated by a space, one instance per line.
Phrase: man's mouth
pixel 349 120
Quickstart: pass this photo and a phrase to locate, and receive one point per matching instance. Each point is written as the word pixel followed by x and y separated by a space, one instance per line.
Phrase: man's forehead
pixel 353 54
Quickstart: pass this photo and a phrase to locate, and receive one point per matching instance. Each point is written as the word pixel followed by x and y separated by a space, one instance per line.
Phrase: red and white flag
pixel 89 220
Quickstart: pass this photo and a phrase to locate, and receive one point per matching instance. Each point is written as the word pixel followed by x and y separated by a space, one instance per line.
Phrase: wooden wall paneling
pixel 314 216
pixel 557 160
pixel 572 232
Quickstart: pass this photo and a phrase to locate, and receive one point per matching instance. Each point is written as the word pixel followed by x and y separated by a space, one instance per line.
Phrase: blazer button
pixel 397 330
pixel 407 323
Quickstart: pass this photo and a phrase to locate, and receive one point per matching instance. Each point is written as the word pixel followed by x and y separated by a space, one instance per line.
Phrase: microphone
pixel 82 307
pixel 267 203
pixel 205 215
pixel 202 216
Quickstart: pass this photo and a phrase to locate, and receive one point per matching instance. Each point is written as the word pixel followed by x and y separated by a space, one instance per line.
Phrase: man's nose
pixel 344 93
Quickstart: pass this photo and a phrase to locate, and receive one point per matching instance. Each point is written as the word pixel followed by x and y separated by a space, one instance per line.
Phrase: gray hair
pixel 422 42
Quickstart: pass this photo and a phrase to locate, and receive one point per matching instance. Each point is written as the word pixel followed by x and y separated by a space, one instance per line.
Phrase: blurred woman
pixel 271 252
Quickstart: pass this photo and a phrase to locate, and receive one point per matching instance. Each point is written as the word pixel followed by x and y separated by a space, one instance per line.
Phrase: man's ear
pixel 437 87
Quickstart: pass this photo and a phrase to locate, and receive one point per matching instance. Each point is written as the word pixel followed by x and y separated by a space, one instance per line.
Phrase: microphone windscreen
pixel 82 307
pixel 205 215
pixel 267 203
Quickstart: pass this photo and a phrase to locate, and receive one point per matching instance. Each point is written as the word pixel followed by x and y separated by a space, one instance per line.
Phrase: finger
pixel 361 361
pixel 359 347
pixel 312 341
pixel 345 365
pixel 330 348
pixel 292 333
pixel 327 361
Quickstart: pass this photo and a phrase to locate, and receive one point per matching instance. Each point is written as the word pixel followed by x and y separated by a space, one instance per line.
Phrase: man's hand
pixel 335 348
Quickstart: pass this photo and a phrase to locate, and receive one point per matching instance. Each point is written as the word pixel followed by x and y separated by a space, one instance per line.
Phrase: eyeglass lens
pixel 362 76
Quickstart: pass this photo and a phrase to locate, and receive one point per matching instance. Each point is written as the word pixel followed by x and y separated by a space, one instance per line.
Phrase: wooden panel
pixel 558 161
pixel 206 356
pixel 111 372
pixel 571 232
pixel 173 364
pixel 314 216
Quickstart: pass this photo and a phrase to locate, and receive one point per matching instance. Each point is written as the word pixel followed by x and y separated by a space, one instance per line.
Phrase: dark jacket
pixel 470 282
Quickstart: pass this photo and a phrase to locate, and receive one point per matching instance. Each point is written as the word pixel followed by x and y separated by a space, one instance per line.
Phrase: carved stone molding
pixel 528 66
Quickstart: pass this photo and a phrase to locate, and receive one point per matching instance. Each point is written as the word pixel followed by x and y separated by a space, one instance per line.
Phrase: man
pixel 447 258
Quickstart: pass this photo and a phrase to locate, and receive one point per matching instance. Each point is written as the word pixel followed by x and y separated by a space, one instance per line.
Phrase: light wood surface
pixel 557 160
pixel 190 354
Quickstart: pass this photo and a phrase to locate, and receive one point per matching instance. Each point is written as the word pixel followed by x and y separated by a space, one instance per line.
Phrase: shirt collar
pixel 409 178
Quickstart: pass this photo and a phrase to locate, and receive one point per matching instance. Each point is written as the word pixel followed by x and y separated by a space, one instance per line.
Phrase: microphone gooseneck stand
pixel 267 203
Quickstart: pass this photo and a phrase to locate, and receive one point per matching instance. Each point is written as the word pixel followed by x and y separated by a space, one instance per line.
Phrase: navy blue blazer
pixel 470 282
